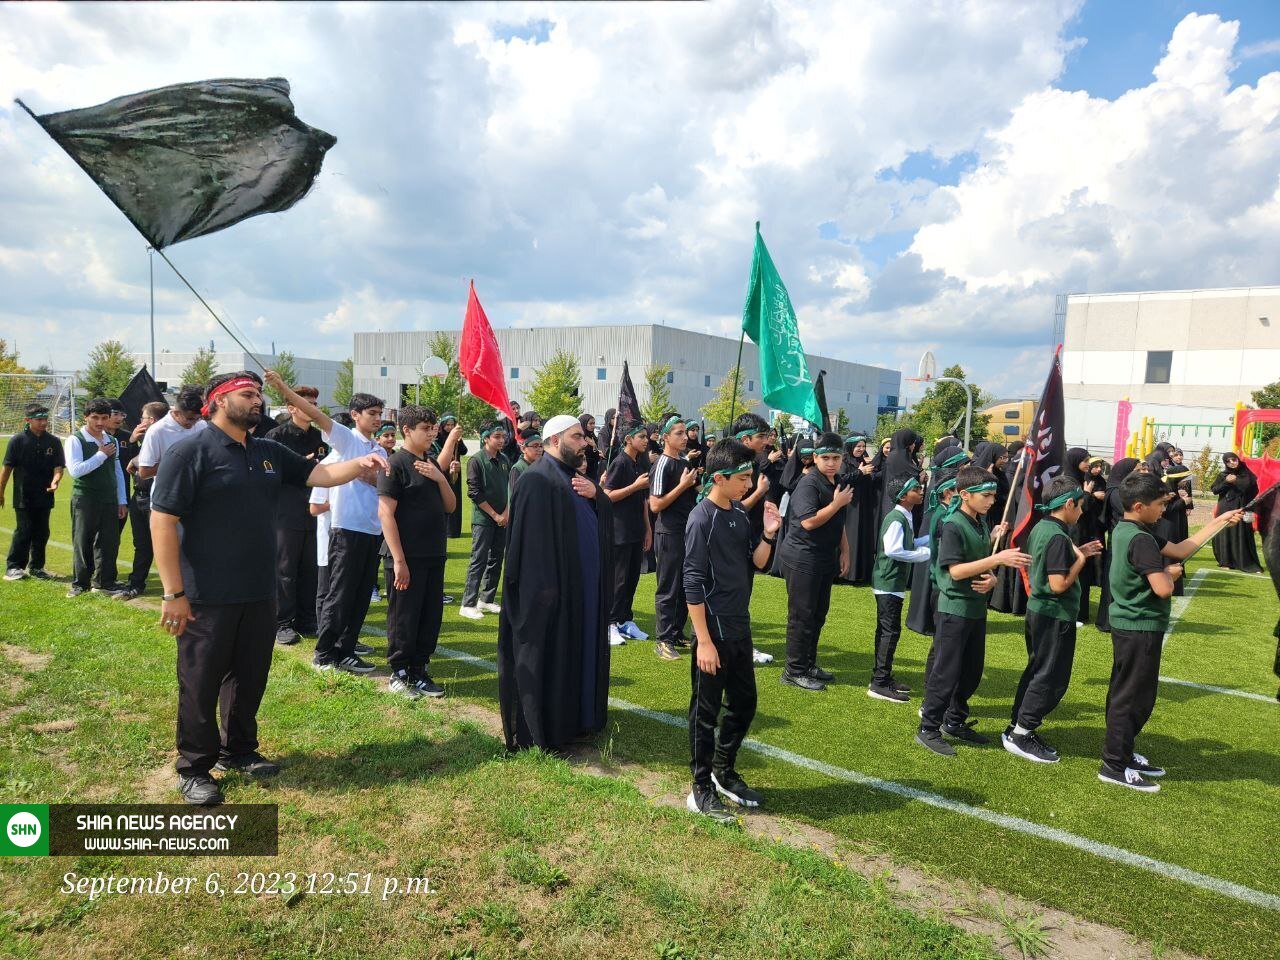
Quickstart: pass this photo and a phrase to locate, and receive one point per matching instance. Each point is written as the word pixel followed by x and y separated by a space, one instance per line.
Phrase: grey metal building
pixel 386 363
pixel 314 372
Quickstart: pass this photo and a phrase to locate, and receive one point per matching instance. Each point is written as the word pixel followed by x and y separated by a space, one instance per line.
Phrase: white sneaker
pixel 759 656
pixel 631 631
pixel 14 573
pixel 490 607
pixel 376 596
pixel 616 637
pixel 471 613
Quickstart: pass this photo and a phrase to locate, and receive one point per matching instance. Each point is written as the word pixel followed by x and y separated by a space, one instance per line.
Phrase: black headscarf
pixel 986 453
pixel 1015 448
pixel 903 446
pixel 1121 470
pixel 1071 464
pixel 950 440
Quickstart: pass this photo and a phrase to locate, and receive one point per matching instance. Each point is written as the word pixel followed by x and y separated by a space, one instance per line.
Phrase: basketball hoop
pixel 927 370
pixel 435 367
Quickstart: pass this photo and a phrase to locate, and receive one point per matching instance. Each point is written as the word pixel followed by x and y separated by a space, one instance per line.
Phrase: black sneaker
pixel 735 788
pixel 932 740
pixel 250 764
pixel 74 591
pixel 362 650
pixel 448 598
pixel 42 574
pixel 885 692
pixel 680 641
pixel 403 684
pixel 353 664
pixel 429 687
pixel 323 666
pixel 1028 746
pixel 822 676
pixel 706 801
pixel 287 636
pixel 896 685
pixel 966 733
pixel 201 790
pixel 803 681
pixel 128 593
pixel 1048 746
pixel 107 591
pixel 1146 767
pixel 1128 777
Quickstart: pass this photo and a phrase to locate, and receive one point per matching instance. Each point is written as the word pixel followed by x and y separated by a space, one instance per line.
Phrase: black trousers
pixel 626 574
pixel 140 524
pixel 30 537
pixel 322 588
pixel 888 631
pixel 484 571
pixel 224 656
pixel 95 537
pixel 959 651
pixel 808 600
pixel 670 613
pixel 353 561
pixel 1131 696
pixel 296 579
pixel 733 686
pixel 414 615
pixel 1051 650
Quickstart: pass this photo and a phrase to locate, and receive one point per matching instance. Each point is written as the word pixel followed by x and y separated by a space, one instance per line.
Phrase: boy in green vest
pixel 1141 586
pixel 964 569
pixel 1056 564
pixel 98 501
pixel 898 549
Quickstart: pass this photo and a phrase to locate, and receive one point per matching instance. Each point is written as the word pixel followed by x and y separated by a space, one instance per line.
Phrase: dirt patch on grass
pixel 26 660
pixel 54 726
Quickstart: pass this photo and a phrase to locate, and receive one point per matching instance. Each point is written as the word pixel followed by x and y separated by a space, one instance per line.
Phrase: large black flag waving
pixel 193 158
pixel 1045 452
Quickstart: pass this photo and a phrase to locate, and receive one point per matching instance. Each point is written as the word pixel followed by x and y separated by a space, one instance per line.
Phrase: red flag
pixel 479 360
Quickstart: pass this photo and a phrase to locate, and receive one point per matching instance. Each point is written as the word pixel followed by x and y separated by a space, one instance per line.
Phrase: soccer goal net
pixel 53 390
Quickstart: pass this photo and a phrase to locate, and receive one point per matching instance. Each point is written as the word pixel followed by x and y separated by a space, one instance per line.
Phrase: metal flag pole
pixel 252 354
pixel 1013 489
pixel 151 276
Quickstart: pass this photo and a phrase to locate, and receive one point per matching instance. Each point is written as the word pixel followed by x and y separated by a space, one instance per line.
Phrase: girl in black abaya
pixel 1078 466
pixel 860 515
pixel 1010 594
pixel 1234 548
pixel 1112 513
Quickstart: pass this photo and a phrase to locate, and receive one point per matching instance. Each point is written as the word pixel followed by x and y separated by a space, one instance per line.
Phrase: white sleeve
pixel 319 495
pixel 75 466
pixel 343 441
pixel 894 548
pixel 149 455
pixel 120 488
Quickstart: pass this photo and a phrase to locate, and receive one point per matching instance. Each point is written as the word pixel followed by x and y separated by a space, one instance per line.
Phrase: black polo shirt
pixel 225 494
pixel 420 513
pixel 292 512
pixel 818 550
pixel 628 513
pixel 33 460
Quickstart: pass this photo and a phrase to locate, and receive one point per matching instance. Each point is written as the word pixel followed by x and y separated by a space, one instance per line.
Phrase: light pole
pixel 928 367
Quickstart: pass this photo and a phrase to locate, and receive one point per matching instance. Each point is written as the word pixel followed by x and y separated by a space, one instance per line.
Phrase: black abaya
pixel 859 521
pixel 1235 546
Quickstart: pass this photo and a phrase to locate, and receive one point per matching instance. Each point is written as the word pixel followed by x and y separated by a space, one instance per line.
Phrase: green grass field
pixel 1192 868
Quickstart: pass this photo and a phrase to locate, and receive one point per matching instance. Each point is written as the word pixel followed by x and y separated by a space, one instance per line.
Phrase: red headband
pixel 239 383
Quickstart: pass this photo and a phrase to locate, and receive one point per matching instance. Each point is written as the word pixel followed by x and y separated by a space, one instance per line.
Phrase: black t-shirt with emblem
pixel 420 513
pixel 628 513
pixel 225 494
pixel 292 510
pixel 33 459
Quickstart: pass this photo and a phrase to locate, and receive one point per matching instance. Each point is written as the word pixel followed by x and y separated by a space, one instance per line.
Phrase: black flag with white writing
pixel 628 406
pixel 193 158
pixel 1046 449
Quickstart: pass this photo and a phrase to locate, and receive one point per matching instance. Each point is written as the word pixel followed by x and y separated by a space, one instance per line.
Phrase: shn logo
pixel 24 829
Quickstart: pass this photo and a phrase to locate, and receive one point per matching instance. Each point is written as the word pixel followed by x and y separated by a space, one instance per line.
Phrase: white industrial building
pixel 1183 357
pixel 313 372
pixel 388 363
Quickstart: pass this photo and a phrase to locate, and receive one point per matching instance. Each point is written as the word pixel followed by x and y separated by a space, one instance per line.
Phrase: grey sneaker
pixel 15 573
pixel 707 802
pixel 403 684
pixel 250 764
pixel 932 740
pixel 74 591
pixel 41 574
pixel 731 785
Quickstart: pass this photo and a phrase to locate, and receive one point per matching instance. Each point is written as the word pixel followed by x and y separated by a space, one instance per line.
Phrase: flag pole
pixel 252 355
pixel 733 401
pixel 1013 487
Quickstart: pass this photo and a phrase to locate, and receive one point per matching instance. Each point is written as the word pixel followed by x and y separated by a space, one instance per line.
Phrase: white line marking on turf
pixel 1210 688
pixel 1181 603
pixel 1106 851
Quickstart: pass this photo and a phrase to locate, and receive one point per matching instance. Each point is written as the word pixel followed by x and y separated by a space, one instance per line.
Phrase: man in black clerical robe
pixel 553 647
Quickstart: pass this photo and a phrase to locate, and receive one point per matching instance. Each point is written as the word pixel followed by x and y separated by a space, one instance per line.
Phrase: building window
pixel 751 386
pixel 599 373
pixel 1159 365
pixel 671 376
pixel 1012 429
pixel 515 373
pixel 1012 414
pixel 384 371
pixel 848 397
pixel 706 380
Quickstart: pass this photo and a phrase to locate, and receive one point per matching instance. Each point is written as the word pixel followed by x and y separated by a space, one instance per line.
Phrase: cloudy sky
pixel 928 174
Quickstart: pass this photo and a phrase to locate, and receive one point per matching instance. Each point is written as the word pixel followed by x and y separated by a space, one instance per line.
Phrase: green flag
pixel 769 320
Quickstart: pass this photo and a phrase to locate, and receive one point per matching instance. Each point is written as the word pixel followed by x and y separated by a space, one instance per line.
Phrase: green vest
pixel 958 597
pixel 97 485
pixel 935 532
pixel 1059 606
pixel 495 485
pixel 1133 604
pixel 889 575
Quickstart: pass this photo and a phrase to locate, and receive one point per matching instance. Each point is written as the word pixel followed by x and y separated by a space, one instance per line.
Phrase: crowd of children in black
pixel 704 516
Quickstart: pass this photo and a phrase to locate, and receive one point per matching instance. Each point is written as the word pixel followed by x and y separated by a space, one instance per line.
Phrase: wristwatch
pixel 174 596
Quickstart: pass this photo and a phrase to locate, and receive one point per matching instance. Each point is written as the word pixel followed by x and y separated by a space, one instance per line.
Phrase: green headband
pixel 752 432
pixel 709 482
pixel 669 426
pixel 491 430
pixel 1061 500
pixel 536 438
pixel 818 451
pixel 985 487
pixel 638 428
pixel 855 439
pixel 42 414
pixel 447 417
pixel 954 461
pixel 386 428
pixel 936 490
pixel 907 487
pixel 947 485
pixel 806 451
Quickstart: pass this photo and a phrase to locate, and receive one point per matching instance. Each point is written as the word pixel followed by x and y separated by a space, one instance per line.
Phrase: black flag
pixel 628 405
pixel 193 158
pixel 141 390
pixel 820 393
pixel 1045 451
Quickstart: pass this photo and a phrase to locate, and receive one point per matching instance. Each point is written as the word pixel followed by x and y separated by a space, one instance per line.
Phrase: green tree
pixel 16 390
pixel 342 384
pixel 941 411
pixel 1268 398
pixel 9 360
pixel 784 424
pixel 448 394
pixel 886 423
pixel 286 366
pixel 659 400
pixel 109 371
pixel 556 386
pixel 842 421
pixel 1204 469
pixel 723 408
pixel 202 368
